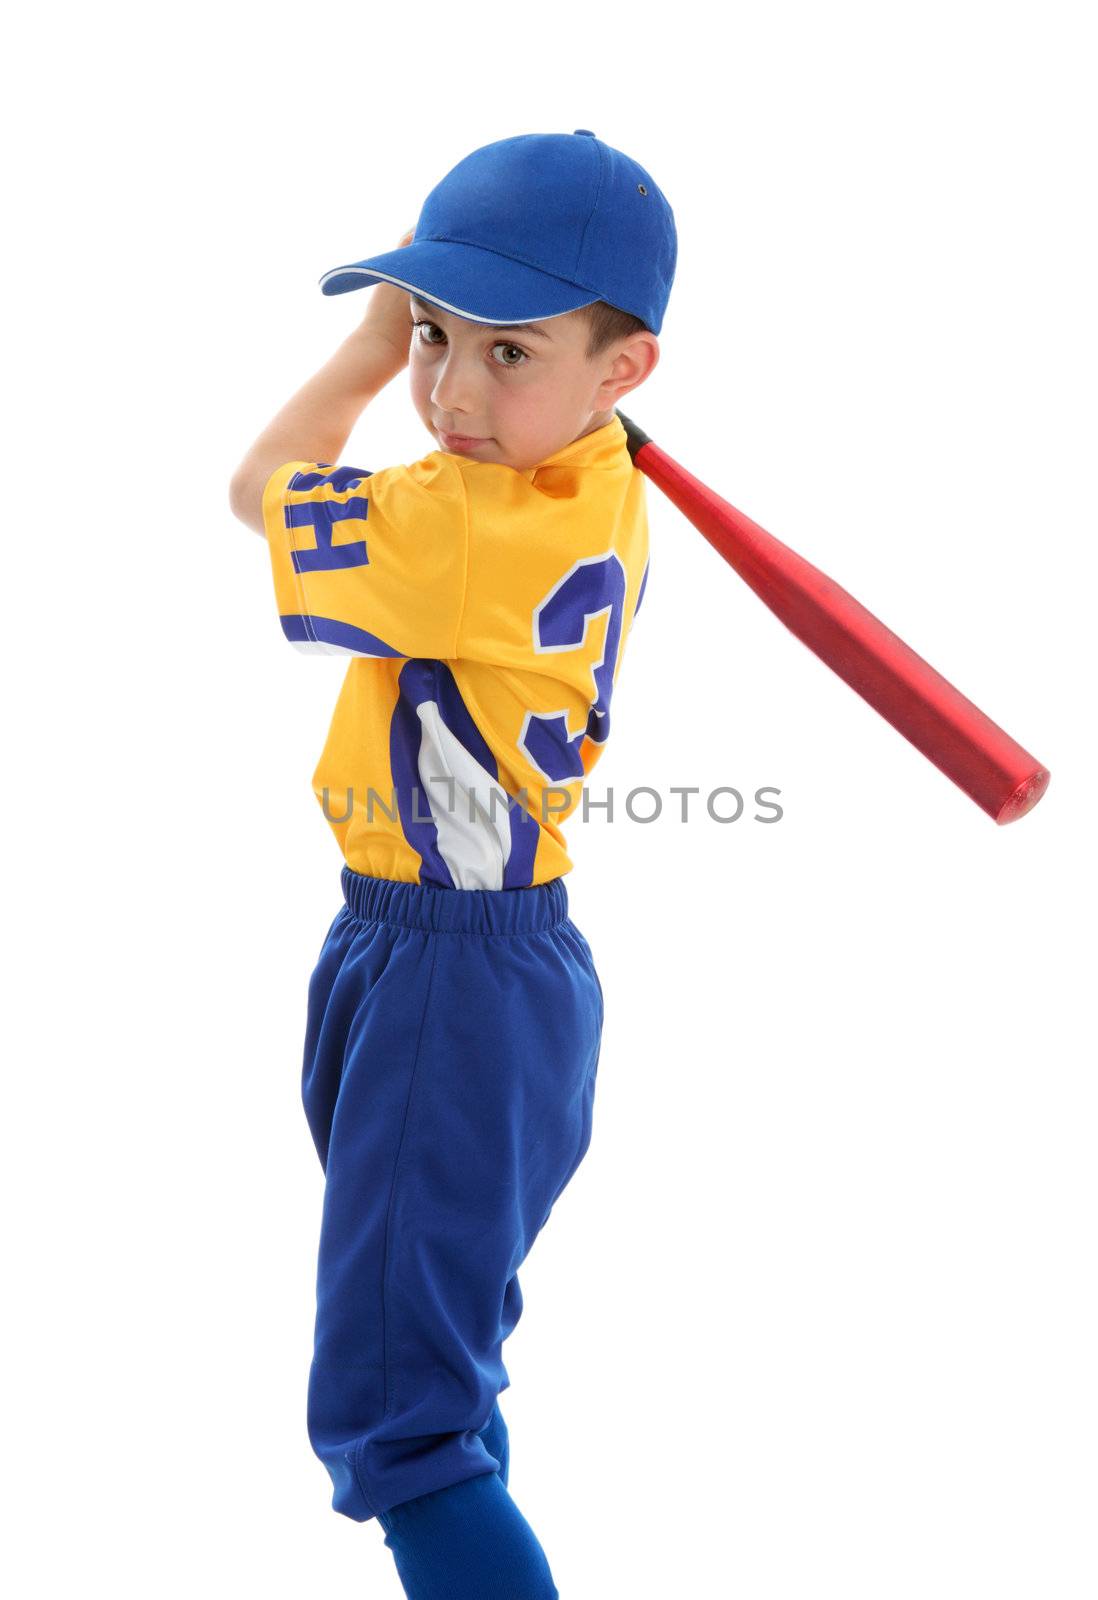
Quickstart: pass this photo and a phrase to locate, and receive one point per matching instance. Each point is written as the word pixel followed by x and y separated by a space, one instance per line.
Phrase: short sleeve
pixel 369 563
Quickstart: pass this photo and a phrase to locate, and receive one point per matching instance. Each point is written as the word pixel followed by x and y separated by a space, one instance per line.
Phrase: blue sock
pixel 469 1541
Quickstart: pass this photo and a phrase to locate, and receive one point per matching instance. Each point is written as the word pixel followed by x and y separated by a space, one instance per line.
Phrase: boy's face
pixel 522 394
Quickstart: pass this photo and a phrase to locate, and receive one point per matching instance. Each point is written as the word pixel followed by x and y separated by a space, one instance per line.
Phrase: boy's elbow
pixel 246 504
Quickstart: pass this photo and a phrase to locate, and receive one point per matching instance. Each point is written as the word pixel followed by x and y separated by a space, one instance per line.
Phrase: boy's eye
pixel 499 345
pixel 522 353
pixel 427 325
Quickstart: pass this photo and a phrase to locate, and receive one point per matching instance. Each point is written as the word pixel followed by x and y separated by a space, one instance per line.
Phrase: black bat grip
pixel 636 437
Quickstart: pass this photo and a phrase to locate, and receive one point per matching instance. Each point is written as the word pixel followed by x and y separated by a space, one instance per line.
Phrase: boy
pixel 484 594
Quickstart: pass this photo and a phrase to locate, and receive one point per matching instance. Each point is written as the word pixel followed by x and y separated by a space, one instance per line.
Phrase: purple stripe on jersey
pixel 328 631
pixel 416 684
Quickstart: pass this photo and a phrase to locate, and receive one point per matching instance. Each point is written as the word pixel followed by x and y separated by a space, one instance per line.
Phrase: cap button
pixel 587 131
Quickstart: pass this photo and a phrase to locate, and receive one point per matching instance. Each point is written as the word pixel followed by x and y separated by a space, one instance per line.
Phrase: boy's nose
pixel 454 394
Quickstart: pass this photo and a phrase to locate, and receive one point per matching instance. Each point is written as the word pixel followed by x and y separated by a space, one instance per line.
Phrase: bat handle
pixel 635 437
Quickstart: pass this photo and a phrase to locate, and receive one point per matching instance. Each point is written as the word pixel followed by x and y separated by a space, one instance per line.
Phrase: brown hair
pixel 605 324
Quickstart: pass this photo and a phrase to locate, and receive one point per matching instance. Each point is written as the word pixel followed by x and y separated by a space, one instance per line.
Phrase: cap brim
pixel 476 284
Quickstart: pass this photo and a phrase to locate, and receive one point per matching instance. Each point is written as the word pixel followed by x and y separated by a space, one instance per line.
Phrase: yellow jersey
pixel 485 612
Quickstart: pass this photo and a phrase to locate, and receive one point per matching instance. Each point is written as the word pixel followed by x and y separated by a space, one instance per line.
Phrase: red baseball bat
pixel 982 759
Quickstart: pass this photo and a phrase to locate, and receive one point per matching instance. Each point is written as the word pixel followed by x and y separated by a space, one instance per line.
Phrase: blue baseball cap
pixel 531 227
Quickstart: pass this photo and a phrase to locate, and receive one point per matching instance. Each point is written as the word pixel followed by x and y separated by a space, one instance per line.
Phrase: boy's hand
pixel 389 315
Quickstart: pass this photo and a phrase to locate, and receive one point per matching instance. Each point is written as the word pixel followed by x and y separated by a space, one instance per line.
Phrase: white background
pixel 817 1315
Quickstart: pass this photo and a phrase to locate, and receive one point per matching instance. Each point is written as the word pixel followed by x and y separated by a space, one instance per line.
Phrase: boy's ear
pixel 641 352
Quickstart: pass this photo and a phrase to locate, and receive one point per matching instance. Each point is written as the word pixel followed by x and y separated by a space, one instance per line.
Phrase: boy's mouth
pixel 459 441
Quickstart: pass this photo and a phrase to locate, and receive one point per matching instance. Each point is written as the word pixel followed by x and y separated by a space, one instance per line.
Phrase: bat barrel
pixel 1004 779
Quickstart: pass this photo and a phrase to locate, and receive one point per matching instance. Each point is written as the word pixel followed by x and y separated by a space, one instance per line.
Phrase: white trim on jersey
pixel 475 847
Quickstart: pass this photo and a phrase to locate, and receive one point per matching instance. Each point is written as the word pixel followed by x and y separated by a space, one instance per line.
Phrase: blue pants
pixel 451 1049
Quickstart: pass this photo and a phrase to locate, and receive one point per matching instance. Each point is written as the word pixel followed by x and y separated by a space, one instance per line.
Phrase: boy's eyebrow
pixel 493 327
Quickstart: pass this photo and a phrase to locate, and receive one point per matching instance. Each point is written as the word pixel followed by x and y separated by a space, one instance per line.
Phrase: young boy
pixel 484 595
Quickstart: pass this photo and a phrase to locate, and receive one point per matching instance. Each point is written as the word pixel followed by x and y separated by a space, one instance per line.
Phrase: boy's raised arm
pixel 315 424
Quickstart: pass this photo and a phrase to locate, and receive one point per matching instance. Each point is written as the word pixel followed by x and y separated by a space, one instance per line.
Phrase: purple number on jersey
pixel 594 587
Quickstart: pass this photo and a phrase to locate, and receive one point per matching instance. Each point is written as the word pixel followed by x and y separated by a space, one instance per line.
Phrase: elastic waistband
pixel 428 906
